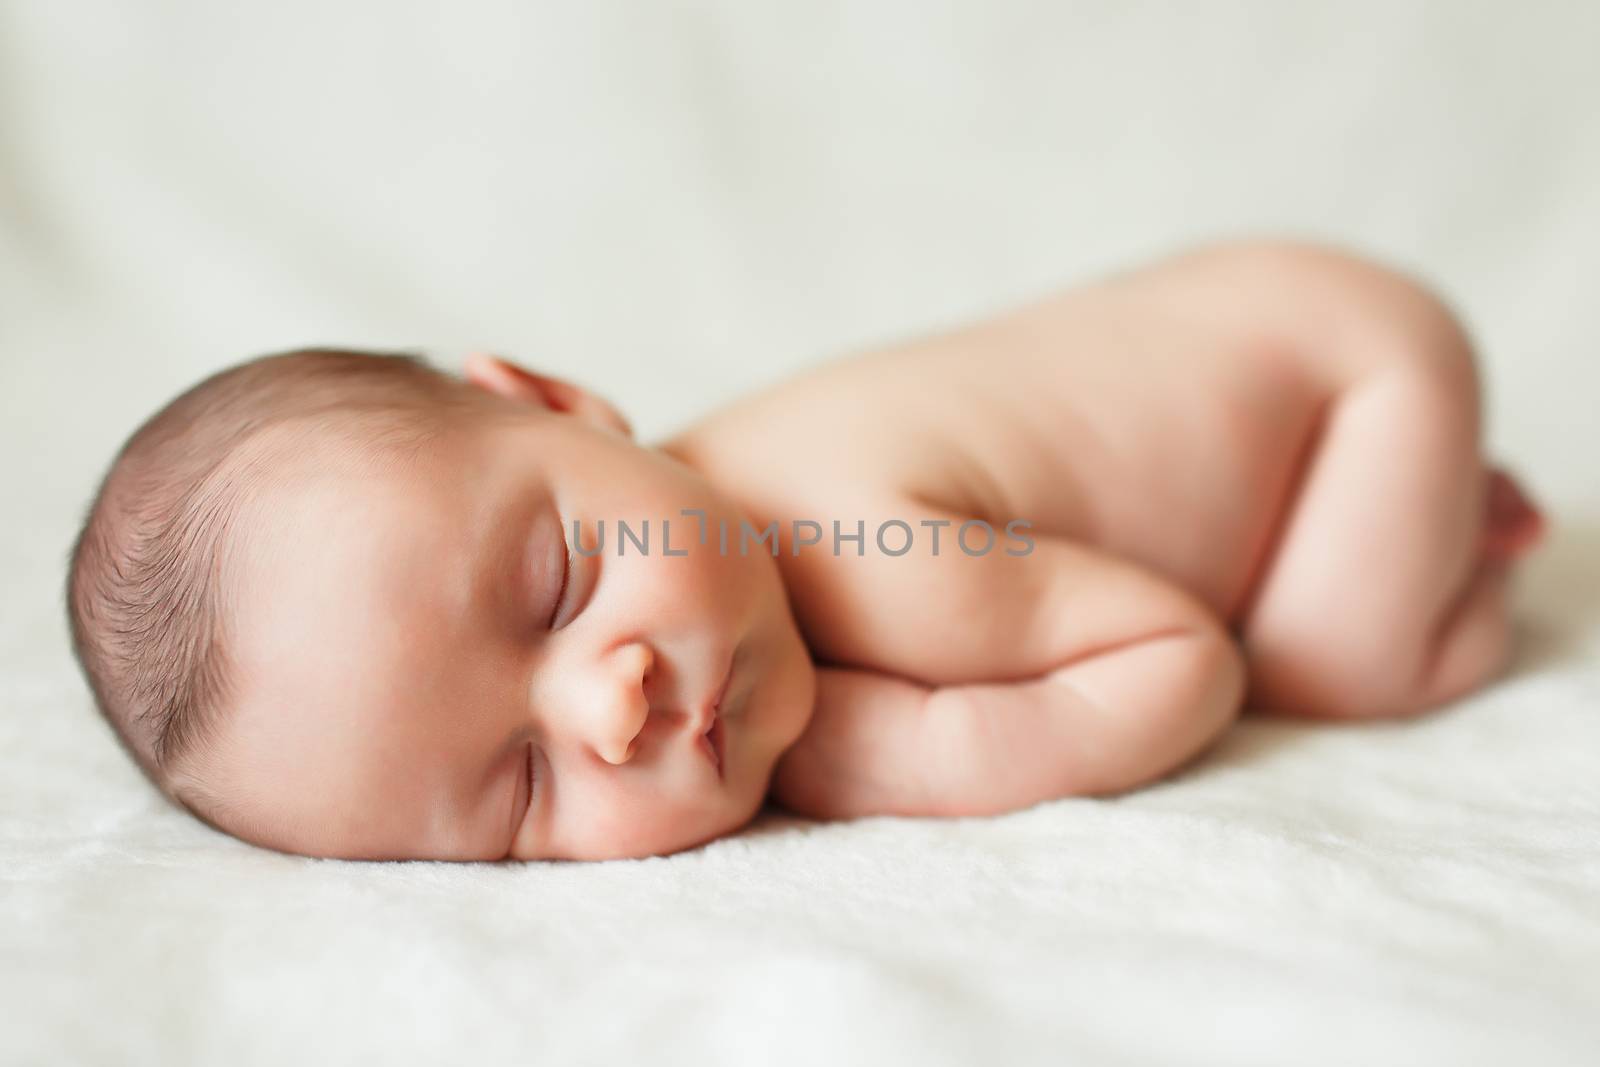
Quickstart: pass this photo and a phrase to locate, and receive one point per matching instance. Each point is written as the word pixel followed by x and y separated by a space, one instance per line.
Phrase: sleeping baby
pixel 346 604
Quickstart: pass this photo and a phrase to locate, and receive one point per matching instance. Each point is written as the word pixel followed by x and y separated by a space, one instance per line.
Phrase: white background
pixel 674 203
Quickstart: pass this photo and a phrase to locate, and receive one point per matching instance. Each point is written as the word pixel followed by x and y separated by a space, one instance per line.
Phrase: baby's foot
pixel 1513 525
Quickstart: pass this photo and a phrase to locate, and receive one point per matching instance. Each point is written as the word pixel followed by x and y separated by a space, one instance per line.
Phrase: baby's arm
pixel 967 685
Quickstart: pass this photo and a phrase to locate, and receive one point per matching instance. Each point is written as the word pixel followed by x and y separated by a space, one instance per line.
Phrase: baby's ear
pixel 507 379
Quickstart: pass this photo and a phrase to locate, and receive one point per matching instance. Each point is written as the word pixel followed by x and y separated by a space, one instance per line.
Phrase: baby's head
pixel 326 600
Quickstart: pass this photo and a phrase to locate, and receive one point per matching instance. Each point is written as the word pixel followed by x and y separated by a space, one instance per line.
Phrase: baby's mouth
pixel 714 741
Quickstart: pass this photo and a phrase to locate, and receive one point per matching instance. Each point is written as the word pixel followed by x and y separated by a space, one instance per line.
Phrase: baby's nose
pixel 620 708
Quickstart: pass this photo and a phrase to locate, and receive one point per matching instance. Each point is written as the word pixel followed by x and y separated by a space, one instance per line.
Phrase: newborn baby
pixel 345 604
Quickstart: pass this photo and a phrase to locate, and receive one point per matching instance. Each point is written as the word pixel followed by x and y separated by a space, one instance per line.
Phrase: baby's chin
pixel 729 830
pixel 750 805
pixel 598 852
pixel 741 816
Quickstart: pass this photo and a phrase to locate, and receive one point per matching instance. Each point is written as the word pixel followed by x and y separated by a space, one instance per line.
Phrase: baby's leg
pixel 1387 593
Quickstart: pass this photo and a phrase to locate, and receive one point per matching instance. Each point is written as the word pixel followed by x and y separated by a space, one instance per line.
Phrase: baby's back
pixel 1127 414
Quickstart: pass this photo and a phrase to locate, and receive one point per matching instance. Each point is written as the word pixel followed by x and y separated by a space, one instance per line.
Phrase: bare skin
pixel 1254 478
pixel 1251 476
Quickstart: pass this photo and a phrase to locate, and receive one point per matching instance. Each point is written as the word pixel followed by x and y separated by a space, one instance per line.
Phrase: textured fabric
pixel 676 204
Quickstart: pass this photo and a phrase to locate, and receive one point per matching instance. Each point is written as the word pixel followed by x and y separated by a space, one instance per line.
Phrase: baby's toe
pixel 1514 525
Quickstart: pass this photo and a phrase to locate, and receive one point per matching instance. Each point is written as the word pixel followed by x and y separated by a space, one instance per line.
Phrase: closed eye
pixel 532 779
pixel 526 781
pixel 566 580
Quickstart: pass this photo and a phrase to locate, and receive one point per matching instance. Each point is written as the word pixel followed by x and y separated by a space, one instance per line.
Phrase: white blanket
pixel 675 204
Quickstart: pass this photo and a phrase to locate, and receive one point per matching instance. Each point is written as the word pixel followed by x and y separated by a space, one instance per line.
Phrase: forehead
pixel 354 598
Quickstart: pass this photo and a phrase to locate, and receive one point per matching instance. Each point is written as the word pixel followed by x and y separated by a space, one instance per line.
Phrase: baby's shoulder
pixel 819 435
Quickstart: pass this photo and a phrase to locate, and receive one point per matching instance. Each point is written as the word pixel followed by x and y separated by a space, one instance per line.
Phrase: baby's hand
pixel 870 749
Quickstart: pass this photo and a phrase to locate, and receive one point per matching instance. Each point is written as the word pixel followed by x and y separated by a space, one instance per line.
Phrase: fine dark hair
pixel 148 576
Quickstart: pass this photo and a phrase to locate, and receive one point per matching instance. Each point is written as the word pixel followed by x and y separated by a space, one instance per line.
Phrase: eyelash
pixel 529 759
pixel 531 780
pixel 566 578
